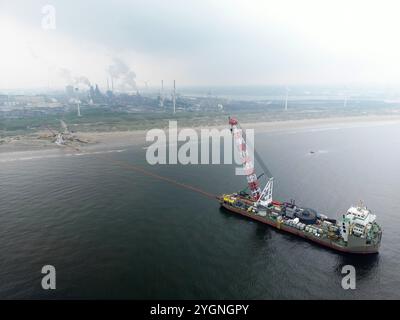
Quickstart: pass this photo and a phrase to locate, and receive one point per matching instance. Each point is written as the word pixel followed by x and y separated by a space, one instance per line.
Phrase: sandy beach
pixel 114 139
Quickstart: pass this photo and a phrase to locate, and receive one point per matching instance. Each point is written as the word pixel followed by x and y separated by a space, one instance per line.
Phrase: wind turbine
pixel 78 102
pixel 79 108
pixel 287 97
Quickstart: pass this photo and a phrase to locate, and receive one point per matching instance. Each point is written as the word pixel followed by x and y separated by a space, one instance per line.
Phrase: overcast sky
pixel 202 42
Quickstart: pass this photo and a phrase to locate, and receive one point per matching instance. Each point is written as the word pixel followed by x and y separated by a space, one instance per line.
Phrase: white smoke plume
pixel 122 76
pixel 73 80
pixel 82 80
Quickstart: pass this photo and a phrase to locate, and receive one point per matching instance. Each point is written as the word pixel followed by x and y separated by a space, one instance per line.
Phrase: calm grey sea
pixel 112 232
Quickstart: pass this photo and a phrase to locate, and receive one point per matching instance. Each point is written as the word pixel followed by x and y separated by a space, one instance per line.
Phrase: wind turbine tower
pixel 286 100
pixel 79 108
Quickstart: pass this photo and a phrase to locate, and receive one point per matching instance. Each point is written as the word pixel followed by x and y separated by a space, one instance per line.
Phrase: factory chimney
pixel 162 94
pixel 174 98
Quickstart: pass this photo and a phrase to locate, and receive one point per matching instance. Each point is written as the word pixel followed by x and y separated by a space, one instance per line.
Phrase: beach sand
pixel 115 139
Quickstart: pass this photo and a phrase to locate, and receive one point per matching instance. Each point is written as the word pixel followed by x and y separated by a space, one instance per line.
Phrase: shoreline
pixel 113 139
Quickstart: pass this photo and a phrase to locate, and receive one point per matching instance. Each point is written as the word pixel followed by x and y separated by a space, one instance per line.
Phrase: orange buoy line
pixel 157 176
pixel 154 175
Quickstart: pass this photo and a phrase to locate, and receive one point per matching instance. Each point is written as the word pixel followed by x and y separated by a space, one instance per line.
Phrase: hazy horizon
pixel 227 43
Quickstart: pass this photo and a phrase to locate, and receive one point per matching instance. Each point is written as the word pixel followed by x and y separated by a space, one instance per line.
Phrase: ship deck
pixel 326 242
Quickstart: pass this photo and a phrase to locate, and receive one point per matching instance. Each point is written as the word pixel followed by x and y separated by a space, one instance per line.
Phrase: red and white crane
pixel 261 197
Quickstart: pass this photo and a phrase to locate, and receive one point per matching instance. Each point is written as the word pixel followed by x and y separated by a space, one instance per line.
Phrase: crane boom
pixel 256 155
pixel 263 197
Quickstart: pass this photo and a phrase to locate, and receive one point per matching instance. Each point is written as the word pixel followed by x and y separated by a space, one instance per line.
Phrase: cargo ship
pixel 356 231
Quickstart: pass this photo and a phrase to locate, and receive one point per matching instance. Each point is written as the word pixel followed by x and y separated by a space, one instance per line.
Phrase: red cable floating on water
pixel 154 175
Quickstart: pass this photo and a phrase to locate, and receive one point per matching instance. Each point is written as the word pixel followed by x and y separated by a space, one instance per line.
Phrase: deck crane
pixel 261 197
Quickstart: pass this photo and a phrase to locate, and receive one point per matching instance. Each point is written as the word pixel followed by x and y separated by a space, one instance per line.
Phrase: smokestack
pixel 162 94
pixel 112 84
pixel 108 85
pixel 174 98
